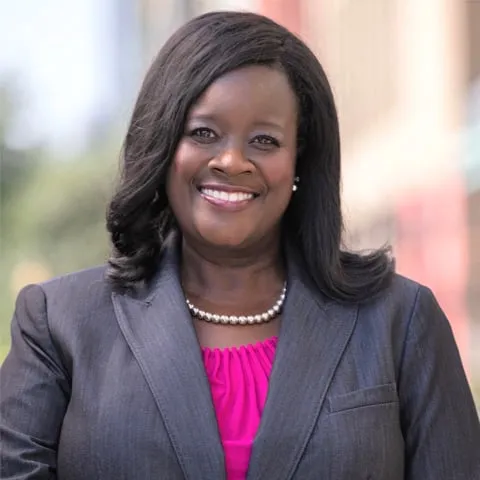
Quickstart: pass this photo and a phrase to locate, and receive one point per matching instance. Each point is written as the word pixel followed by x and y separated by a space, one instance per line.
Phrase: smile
pixel 232 197
pixel 231 200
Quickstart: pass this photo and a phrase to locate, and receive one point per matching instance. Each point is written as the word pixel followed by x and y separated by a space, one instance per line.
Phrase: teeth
pixel 227 196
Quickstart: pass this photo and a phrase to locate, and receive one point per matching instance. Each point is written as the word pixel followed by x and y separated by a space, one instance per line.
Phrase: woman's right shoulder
pixel 69 311
pixel 75 294
pixel 83 284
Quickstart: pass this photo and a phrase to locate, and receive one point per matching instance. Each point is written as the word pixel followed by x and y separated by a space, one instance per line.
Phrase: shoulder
pixel 403 306
pixel 401 295
pixel 65 310
pixel 391 326
pixel 402 319
pixel 94 276
pixel 74 293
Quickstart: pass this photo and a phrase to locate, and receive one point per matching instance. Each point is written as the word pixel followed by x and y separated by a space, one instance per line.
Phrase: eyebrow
pixel 213 118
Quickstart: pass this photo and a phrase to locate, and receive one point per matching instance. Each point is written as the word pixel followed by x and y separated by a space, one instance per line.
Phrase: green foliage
pixel 62 214
pixel 52 215
pixel 57 221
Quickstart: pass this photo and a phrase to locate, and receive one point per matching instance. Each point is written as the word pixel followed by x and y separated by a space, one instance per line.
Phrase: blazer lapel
pixel 313 336
pixel 160 333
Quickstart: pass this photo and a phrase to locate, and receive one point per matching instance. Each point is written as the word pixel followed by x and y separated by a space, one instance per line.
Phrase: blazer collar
pixel 158 328
pixel 314 333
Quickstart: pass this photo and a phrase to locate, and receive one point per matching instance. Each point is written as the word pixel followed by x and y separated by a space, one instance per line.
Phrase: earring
pixel 295 186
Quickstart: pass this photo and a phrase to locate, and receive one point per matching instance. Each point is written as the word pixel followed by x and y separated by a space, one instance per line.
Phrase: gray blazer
pixel 100 385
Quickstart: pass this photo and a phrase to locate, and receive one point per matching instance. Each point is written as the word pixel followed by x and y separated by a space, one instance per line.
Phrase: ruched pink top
pixel 238 379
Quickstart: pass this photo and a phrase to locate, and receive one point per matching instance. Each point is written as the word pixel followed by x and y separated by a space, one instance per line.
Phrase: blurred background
pixel 406 77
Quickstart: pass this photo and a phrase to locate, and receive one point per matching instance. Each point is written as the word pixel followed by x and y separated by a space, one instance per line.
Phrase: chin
pixel 225 238
pixel 226 242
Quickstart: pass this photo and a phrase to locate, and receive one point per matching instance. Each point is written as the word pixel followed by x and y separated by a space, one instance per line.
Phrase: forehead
pixel 254 91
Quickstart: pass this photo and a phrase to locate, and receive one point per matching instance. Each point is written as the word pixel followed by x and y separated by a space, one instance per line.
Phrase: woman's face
pixel 231 178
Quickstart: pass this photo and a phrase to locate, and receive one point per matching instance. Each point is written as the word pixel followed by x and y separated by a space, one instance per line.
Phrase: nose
pixel 232 161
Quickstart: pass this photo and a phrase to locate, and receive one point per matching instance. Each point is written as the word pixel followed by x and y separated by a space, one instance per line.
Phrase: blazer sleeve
pixel 35 390
pixel 440 424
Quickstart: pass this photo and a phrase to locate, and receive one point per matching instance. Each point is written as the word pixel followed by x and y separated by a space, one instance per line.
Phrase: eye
pixel 265 141
pixel 203 134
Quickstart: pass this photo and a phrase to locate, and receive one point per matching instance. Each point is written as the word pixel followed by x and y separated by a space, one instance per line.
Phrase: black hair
pixel 139 217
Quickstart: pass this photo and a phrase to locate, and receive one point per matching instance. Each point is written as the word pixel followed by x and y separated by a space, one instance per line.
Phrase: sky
pixel 58 53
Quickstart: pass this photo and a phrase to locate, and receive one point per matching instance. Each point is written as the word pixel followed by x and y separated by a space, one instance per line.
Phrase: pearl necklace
pixel 242 319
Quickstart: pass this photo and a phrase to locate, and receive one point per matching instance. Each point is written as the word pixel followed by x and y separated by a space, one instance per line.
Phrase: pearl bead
pixel 270 314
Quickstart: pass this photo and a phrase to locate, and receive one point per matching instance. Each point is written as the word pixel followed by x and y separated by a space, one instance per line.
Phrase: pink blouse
pixel 238 379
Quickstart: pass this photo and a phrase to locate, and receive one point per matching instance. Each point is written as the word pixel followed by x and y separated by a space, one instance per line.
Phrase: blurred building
pixel 159 19
pixel 202 6
pixel 127 67
pixel 406 77
pixel 120 57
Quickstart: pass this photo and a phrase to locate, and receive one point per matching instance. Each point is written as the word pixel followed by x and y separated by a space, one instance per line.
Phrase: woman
pixel 230 337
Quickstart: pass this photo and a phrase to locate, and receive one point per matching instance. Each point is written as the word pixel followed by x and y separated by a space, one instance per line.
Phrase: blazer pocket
pixel 378 395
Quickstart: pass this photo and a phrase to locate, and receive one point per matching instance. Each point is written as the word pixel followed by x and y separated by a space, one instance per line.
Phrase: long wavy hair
pixel 139 217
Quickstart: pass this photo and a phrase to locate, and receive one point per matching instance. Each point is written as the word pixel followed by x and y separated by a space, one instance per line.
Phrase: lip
pixel 225 204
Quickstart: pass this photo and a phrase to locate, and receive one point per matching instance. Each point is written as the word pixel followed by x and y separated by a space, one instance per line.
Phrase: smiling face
pixel 231 177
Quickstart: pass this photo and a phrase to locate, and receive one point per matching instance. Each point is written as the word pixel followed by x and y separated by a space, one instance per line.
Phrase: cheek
pixel 178 181
pixel 183 170
pixel 182 167
pixel 279 173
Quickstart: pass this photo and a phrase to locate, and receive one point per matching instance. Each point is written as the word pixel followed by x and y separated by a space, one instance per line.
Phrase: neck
pixel 207 270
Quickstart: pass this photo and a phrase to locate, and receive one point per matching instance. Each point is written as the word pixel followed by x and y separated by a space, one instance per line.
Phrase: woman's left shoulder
pixel 402 292
pixel 401 302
